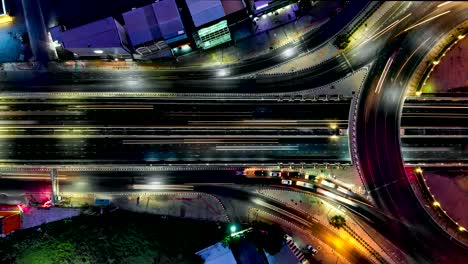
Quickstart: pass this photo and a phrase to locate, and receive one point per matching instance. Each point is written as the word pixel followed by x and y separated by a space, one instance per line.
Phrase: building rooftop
pixel 205 11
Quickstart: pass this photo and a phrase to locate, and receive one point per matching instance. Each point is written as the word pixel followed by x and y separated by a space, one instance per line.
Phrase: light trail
pixel 436 106
pixel 257 148
pixel 162 187
pixel 385 30
pixel 427 20
pixel 36 113
pixel 384 74
pixel 444 3
pixel 407 60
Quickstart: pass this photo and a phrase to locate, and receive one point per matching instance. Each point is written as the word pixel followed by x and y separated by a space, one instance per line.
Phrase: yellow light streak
pixel 5 19
pixel 427 20
pixel 444 3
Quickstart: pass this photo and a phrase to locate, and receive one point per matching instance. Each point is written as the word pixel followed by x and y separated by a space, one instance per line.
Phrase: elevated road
pixel 378 140
pixel 156 131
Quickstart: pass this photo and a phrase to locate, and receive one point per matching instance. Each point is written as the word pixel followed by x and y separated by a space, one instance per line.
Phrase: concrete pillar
pixel 37 32
pixel 55 185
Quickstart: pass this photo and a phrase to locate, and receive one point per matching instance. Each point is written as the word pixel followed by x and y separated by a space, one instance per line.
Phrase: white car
pixel 311 249
pixel 276 174
pixel 287 182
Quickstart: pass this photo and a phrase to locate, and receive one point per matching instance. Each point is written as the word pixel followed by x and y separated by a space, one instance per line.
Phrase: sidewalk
pixel 178 204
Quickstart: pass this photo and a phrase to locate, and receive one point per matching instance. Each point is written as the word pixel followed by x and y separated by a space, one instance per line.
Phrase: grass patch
pixel 119 237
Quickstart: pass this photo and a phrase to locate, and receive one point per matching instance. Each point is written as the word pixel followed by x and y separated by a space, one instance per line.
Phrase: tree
pixel 342 41
pixel 268 237
pixel 305 5
pixel 337 221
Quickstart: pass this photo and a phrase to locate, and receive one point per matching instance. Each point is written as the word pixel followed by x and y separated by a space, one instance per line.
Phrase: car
pixel 46 205
pixel 291 174
pixel 287 182
pixel 276 174
pixel 261 173
pixel 311 249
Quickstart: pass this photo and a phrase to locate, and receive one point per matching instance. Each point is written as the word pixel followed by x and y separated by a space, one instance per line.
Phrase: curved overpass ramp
pixel 378 140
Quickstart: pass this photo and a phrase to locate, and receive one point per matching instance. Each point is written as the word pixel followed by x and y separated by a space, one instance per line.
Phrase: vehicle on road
pixel 47 205
pixel 287 182
pixel 261 173
pixel 275 174
pixel 291 174
pixel 311 249
pixel 327 183
pixel 305 185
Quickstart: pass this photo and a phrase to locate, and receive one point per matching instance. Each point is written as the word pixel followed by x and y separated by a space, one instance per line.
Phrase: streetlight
pixel 233 228
pixel 222 72
pixel 289 52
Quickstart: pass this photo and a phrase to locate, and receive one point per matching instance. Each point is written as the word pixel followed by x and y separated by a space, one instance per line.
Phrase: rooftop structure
pixel 205 11
pixel 158 21
pixel 99 38
pixel 141 25
pixel 217 254
pixel 168 17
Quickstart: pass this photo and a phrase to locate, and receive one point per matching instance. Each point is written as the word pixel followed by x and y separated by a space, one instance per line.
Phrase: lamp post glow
pixel 233 228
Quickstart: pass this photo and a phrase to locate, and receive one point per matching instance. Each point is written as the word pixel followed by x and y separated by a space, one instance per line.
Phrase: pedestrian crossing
pixel 296 251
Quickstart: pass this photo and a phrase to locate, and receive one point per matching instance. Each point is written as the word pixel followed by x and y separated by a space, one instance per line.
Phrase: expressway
pixel 378 140
pixel 158 131
pixel 161 131
pixel 378 120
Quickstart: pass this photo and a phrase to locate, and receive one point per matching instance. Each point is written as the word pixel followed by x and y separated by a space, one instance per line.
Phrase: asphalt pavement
pixel 378 141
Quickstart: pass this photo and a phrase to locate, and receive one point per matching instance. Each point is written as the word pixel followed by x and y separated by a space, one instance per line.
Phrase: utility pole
pixel 37 32
pixel 55 185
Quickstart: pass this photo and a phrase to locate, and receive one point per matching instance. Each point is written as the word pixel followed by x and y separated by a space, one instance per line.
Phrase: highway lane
pixel 173 113
pixel 378 142
pixel 145 131
pixel 437 113
pixel 435 148
pixel 130 150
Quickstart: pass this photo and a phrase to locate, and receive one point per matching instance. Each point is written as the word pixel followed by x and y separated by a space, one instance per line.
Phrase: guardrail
pixel 435 211
pixel 422 72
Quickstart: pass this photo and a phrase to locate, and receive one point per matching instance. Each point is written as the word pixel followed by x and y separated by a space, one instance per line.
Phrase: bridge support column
pixel 55 185
pixel 37 32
